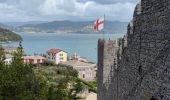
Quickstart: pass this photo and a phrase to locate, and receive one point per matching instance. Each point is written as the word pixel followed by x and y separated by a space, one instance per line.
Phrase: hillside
pixel 59 76
pixel 73 27
pixel 7 35
pixel 17 24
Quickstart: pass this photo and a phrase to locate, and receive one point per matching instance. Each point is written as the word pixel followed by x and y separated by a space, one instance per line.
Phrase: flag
pixel 99 24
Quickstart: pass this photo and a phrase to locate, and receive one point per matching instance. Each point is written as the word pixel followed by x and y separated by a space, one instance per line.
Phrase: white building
pixel 56 56
pixel 85 70
pixel 34 59
pixel 8 59
pixel 9 49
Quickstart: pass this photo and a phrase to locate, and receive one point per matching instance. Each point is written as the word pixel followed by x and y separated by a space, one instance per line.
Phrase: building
pixel 77 57
pixel 56 56
pixel 85 70
pixel 34 60
pixel 8 59
pixel 9 49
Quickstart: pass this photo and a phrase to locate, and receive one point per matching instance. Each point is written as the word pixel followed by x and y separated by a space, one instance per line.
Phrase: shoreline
pixel 66 33
pixel 8 42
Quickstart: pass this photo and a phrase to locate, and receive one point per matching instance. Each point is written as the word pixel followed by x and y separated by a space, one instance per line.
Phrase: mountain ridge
pixel 72 27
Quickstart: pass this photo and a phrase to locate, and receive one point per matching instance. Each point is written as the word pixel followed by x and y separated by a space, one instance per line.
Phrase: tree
pixel 19 82
pixel 69 87
pixel 2 57
pixel 2 66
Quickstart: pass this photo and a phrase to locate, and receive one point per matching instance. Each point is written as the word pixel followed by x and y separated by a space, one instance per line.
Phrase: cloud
pixel 10 12
pixel 110 1
pixel 88 10
pixel 52 7
pixel 10 1
pixel 119 11
pixel 26 10
pixel 19 10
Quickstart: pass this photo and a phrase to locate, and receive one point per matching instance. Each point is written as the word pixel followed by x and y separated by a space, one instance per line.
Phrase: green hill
pixel 7 35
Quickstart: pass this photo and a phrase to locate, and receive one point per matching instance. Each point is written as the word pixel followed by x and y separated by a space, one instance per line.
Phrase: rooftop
pixel 75 63
pixel 54 51
pixel 34 57
pixel 9 47
pixel 8 56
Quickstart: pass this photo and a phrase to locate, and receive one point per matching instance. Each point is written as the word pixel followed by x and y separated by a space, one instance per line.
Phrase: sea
pixel 84 45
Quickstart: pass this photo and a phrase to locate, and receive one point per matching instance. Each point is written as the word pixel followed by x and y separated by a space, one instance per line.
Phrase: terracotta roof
pixel 75 63
pixel 33 57
pixel 54 51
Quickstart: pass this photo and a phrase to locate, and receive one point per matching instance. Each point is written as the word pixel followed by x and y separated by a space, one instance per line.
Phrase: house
pixel 85 70
pixel 77 57
pixel 56 56
pixel 9 49
pixel 8 59
pixel 34 59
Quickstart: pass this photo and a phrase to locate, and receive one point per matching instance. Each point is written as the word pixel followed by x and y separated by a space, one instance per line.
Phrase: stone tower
pixel 107 52
pixel 143 71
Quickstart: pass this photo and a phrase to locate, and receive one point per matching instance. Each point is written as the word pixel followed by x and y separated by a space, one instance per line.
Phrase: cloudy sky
pixel 49 10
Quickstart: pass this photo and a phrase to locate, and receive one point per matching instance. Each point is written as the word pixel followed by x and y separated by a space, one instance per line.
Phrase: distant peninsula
pixel 81 27
pixel 9 36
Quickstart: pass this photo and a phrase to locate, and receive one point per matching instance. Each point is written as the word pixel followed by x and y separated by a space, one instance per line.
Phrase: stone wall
pixel 108 51
pixel 144 68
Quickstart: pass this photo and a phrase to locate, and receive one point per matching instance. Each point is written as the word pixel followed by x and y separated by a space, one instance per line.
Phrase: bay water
pixel 84 45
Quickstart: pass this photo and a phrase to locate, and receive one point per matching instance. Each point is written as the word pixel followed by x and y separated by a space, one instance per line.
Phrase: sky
pixel 75 10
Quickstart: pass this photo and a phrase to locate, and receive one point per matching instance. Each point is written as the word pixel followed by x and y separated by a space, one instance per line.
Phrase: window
pixel 61 54
pixel 26 60
pixel 31 61
pixel 38 61
pixel 43 60
pixel 83 75
pixel 53 55
pixel 53 58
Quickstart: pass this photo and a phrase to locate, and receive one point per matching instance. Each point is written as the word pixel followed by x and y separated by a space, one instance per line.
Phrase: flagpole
pixel 104 26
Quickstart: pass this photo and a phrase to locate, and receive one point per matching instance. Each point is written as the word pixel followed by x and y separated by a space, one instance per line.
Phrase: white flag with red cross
pixel 99 24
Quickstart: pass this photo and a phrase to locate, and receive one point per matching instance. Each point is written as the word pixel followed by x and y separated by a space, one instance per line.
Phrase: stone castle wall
pixel 144 68
pixel 108 52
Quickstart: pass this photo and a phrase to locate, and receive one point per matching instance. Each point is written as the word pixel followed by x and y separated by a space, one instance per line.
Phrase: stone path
pixel 92 96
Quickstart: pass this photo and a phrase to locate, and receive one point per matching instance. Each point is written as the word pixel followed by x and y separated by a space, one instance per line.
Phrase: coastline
pixel 4 42
pixel 67 32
